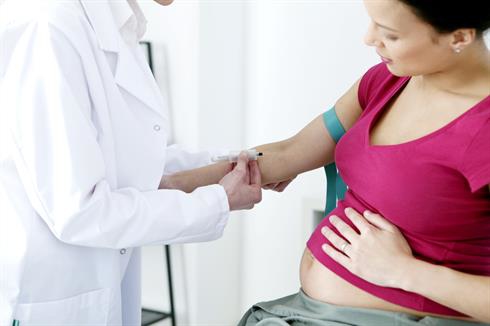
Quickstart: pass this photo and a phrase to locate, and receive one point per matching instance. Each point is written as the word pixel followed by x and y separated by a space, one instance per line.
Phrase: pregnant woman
pixel 410 243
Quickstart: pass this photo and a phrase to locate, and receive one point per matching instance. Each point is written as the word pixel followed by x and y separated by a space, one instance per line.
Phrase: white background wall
pixel 241 73
pixel 302 56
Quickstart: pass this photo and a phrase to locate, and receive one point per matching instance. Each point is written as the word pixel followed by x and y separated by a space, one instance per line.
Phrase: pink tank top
pixel 434 189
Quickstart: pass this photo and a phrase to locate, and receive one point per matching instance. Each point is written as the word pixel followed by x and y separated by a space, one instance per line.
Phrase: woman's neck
pixel 469 75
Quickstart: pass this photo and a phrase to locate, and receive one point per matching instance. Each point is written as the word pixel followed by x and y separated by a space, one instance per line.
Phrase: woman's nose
pixel 370 36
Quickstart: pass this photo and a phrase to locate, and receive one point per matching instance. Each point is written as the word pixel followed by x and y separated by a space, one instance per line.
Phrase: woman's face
pixel 408 46
pixel 164 2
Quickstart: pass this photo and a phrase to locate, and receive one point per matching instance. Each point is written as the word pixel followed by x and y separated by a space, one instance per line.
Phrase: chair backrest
pixel 336 187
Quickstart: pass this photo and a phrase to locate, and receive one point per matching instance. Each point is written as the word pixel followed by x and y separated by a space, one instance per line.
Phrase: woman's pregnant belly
pixel 321 284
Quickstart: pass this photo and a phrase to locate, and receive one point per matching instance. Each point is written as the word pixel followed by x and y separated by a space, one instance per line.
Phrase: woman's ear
pixel 461 38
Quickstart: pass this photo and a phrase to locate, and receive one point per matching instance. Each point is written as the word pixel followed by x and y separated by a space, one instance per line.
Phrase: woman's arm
pixel 311 148
pixel 189 180
pixel 469 294
pixel 466 293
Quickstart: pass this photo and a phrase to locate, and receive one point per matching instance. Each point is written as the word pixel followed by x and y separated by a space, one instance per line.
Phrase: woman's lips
pixel 385 60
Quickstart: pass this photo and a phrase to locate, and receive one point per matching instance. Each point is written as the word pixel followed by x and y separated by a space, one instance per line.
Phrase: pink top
pixel 434 189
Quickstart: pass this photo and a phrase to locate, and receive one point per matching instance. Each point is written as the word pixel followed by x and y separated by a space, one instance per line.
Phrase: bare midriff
pixel 321 284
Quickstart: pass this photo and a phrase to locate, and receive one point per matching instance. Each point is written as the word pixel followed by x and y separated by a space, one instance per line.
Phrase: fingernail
pixel 324 230
pixel 332 218
pixel 324 247
pixel 348 210
pixel 366 212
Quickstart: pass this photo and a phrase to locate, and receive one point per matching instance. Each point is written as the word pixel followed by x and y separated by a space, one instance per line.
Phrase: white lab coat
pixel 82 151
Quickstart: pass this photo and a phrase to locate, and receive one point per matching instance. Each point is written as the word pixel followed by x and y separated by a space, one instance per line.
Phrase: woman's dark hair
pixel 449 15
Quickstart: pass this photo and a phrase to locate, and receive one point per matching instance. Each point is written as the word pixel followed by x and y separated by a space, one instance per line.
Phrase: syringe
pixel 233 156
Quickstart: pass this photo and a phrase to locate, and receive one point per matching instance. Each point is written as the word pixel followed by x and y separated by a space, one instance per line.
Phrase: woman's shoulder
pixel 475 160
pixel 375 83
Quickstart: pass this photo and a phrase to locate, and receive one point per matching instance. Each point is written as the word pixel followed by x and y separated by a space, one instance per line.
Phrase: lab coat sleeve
pixel 60 163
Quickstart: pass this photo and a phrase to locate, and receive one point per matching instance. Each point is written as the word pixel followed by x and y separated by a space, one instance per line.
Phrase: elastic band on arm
pixel 336 187
pixel 333 125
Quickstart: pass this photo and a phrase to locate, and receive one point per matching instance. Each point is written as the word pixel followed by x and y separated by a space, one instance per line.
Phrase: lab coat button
pixel 156 127
pixel 122 251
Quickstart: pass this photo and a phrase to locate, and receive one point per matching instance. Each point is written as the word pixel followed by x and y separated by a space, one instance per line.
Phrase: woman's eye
pixel 392 37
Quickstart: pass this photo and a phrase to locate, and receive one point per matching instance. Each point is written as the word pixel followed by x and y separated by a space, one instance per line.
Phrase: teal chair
pixel 336 187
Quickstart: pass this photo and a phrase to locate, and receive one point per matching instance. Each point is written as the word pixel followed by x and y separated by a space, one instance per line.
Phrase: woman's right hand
pixel 243 184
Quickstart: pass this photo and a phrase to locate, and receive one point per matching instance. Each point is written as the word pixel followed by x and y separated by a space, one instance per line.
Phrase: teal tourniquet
pixel 336 187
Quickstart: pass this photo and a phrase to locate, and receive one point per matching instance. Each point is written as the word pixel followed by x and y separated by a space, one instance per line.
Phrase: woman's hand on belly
pixel 377 253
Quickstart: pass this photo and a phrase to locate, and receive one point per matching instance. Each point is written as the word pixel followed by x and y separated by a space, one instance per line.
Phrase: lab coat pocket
pixel 89 308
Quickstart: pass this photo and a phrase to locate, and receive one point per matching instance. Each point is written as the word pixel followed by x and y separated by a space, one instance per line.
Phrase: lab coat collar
pixel 99 15
pixel 121 11
pixel 129 75
pixel 129 19
pixel 140 18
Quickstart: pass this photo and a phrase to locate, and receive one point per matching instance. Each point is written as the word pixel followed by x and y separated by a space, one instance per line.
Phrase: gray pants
pixel 299 309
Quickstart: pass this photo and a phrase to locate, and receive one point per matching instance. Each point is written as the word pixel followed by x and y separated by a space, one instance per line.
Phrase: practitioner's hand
pixel 377 253
pixel 278 186
pixel 165 182
pixel 242 184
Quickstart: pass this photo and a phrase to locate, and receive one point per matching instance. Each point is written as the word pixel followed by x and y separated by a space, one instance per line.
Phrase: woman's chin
pixel 396 71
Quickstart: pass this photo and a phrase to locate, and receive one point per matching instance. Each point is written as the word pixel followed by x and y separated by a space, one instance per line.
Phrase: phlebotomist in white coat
pixel 82 154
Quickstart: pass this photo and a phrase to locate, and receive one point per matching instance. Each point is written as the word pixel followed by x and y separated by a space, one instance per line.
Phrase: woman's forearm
pixel 270 165
pixel 276 165
pixel 466 293
pixel 311 148
pixel 189 180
